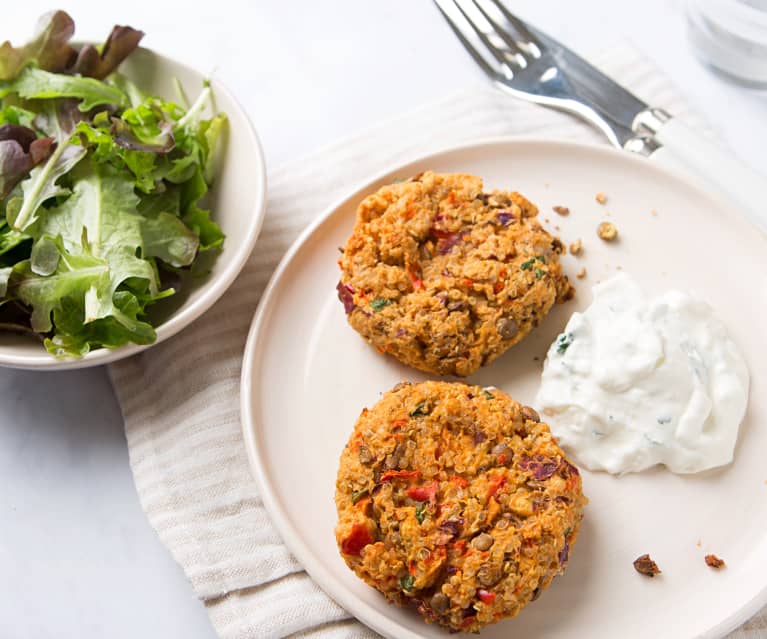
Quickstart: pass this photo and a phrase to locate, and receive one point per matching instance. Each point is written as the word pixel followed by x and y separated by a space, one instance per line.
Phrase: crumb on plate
pixel 581 274
pixel 562 210
pixel 576 247
pixel 646 566
pixel 607 231
pixel 714 562
pixel 601 198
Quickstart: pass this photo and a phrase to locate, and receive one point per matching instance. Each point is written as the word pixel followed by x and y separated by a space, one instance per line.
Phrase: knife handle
pixel 715 169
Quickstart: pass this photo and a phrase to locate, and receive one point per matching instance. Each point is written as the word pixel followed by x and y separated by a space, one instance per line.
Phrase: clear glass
pixel 731 36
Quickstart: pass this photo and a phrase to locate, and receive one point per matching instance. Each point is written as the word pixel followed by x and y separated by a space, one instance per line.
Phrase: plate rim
pixel 180 320
pixel 359 609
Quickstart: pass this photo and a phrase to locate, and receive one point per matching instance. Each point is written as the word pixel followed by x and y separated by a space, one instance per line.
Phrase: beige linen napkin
pixel 180 400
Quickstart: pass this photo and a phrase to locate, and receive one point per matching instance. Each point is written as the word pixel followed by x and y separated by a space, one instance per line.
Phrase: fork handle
pixel 716 169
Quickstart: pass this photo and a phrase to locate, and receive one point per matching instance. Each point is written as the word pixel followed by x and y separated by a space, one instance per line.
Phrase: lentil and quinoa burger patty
pixel 456 500
pixel 445 277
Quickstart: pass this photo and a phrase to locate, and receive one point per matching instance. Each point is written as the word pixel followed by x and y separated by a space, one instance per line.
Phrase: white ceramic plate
pixel 237 202
pixel 307 375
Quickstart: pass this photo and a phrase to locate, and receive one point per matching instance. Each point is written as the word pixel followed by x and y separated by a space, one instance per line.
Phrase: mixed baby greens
pixel 100 188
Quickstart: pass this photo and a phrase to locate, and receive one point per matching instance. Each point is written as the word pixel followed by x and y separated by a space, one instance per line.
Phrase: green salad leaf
pixel 33 83
pixel 41 185
pixel 102 187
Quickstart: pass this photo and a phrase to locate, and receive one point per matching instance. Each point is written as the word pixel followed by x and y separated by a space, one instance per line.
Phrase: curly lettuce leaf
pixel 73 277
pixel 74 338
pixel 34 83
pixel 103 149
pixel 198 219
pixel 49 48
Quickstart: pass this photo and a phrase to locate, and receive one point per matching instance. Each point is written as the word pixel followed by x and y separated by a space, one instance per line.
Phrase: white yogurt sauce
pixel 633 382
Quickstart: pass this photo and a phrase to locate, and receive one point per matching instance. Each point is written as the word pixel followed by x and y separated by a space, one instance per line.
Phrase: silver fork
pixel 531 65
pixel 523 65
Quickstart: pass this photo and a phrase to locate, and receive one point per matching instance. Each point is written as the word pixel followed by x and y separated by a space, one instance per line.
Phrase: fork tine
pixel 499 31
pixel 496 53
pixel 520 26
pixel 478 58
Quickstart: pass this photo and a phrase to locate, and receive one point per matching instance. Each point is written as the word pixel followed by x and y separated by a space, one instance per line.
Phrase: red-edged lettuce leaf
pixel 122 41
pixel 49 48
pixel 20 152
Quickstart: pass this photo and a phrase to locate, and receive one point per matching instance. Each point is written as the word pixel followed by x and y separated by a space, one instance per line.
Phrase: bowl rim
pixel 210 292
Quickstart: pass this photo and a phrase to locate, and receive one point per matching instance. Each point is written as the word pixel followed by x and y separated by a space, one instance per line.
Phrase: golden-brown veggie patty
pixel 457 500
pixel 445 277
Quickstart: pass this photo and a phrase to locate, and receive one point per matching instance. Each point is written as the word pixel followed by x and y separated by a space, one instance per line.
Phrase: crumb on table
pixel 576 247
pixel 646 566
pixel 714 562
pixel 607 231
pixel 581 274
pixel 562 210
pixel 601 198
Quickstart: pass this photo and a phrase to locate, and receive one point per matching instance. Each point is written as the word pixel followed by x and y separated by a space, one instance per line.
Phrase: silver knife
pixel 532 65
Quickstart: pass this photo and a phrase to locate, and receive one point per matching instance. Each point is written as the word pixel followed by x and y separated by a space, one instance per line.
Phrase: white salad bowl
pixel 237 201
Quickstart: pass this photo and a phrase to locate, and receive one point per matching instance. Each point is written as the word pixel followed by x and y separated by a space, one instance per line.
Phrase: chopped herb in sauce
pixel 420 410
pixel 488 394
pixel 359 494
pixel 407 582
pixel 420 512
pixel 541 258
pixel 539 273
pixel 527 265
pixel 378 304
pixel 563 342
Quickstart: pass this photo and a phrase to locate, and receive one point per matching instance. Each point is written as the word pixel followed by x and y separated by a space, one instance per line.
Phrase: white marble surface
pixel 78 557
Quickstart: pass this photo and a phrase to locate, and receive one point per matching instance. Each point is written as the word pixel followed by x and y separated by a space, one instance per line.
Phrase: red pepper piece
pixel 460 546
pixel 358 538
pixel 495 485
pixel 485 596
pixel 400 474
pixel 424 493
pixel 416 281
pixel 460 481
